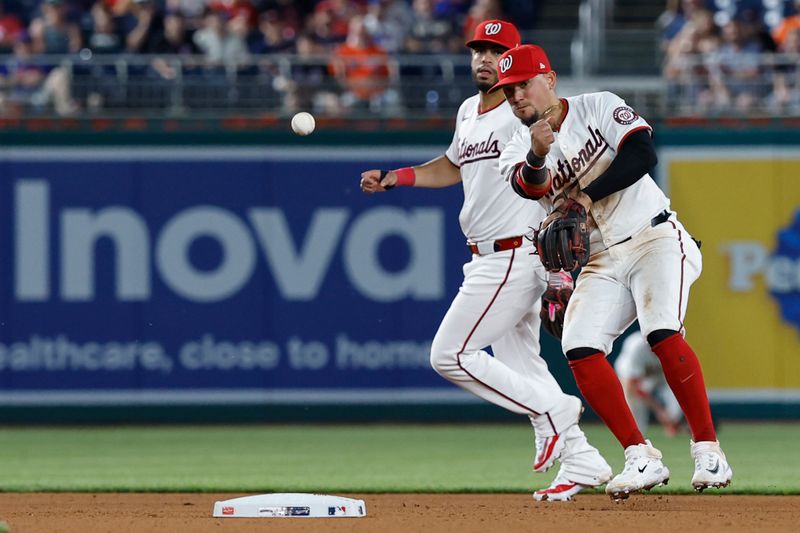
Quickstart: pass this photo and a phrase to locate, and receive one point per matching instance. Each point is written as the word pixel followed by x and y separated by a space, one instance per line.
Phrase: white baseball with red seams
pixel 497 303
pixel 635 269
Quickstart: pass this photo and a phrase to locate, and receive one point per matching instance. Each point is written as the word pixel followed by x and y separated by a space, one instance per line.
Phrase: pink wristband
pixel 406 177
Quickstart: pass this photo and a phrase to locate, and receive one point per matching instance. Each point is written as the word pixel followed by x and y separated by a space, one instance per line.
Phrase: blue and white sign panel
pixel 149 275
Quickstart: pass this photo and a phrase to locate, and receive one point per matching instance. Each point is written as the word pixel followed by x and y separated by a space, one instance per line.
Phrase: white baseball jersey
pixel 499 300
pixel 635 270
pixel 491 209
pixel 593 129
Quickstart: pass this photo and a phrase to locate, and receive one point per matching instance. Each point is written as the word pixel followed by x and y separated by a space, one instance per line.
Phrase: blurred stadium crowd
pixel 723 56
pixel 336 56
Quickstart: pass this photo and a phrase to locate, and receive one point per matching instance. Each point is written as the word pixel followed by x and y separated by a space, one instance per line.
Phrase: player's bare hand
pixel 542 137
pixel 374 181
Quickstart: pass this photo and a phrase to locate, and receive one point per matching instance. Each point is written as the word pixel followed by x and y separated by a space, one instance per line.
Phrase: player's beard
pixel 531 120
pixel 483 86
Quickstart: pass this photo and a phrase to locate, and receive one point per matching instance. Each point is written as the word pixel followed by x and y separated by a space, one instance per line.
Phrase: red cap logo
pixel 498 32
pixel 505 63
pixel 520 64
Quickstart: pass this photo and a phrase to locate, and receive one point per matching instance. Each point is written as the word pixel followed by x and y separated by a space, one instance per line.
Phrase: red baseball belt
pixel 490 247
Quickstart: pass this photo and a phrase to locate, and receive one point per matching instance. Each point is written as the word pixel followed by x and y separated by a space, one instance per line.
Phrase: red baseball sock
pixel 685 378
pixel 600 386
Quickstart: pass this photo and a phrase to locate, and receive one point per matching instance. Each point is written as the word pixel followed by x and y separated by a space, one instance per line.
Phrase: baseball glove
pixel 563 244
pixel 554 303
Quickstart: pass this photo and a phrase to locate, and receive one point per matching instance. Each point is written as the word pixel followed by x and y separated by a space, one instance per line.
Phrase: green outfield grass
pixel 354 459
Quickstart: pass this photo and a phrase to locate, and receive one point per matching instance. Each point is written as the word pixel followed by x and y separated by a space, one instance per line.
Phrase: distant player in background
pixel 646 389
pixel 499 301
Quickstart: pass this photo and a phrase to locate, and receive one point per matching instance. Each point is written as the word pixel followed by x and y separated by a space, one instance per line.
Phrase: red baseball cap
pixel 496 31
pixel 520 64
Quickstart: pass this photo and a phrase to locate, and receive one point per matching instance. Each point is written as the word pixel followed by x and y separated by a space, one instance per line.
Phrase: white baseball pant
pixel 498 304
pixel 647 277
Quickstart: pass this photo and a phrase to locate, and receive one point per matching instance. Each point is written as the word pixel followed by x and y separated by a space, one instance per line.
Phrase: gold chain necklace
pixel 551 110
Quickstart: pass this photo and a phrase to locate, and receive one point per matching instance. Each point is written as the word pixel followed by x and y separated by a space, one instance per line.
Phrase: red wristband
pixel 406 177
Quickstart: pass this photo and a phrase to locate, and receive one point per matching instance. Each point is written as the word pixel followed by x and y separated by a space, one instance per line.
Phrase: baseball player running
pixel 592 154
pixel 498 303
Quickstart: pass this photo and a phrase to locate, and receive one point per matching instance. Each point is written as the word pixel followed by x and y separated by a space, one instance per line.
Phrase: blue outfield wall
pixel 228 284
pixel 187 276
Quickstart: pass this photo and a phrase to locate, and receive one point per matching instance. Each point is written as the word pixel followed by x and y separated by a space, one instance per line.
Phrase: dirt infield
pixel 389 513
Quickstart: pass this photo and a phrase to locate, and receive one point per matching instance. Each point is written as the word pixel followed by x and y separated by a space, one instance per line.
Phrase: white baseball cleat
pixel 560 490
pixel 582 467
pixel 549 448
pixel 711 468
pixel 643 470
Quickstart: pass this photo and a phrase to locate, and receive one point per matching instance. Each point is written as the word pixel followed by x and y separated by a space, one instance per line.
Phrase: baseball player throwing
pixel 592 154
pixel 498 303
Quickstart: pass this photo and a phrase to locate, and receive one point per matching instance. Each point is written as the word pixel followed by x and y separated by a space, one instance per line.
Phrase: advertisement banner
pixel 214 275
pixel 744 313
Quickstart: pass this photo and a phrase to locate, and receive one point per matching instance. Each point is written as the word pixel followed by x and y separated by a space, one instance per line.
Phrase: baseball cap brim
pixel 510 81
pixel 486 40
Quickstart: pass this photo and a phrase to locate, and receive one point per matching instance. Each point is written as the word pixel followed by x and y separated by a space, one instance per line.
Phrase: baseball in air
pixel 303 123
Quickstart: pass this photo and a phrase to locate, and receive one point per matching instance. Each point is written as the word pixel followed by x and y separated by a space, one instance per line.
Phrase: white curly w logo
pixel 493 28
pixel 505 64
